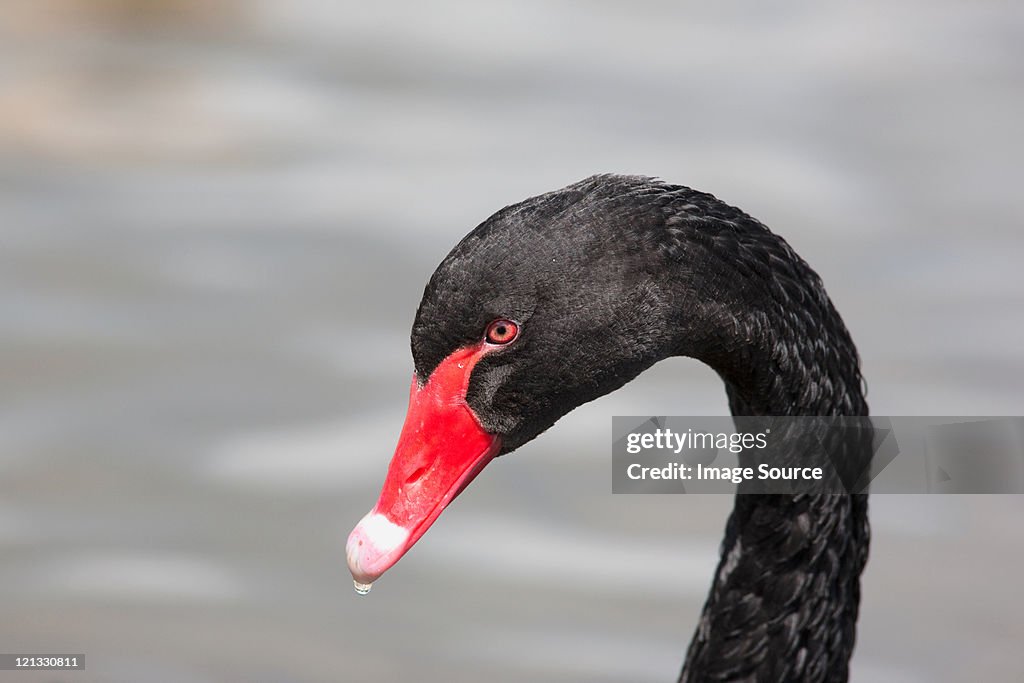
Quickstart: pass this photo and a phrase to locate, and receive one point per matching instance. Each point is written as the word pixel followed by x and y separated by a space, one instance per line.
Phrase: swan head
pixel 548 304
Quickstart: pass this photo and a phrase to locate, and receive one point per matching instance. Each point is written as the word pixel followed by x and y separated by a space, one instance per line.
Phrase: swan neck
pixel 784 601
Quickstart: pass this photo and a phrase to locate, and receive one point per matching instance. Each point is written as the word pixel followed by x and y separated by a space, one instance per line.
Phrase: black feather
pixel 614 273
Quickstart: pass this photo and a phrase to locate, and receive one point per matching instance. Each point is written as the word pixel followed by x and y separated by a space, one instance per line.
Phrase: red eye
pixel 502 332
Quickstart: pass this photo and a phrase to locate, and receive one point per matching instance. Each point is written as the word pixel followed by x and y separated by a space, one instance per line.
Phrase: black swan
pixel 564 297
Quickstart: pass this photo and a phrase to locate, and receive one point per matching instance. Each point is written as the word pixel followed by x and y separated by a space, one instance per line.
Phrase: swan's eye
pixel 502 332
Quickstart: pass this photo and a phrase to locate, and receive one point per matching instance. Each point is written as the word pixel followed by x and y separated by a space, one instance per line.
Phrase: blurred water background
pixel 216 219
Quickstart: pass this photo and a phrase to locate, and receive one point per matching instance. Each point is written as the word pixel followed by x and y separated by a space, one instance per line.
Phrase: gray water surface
pixel 216 220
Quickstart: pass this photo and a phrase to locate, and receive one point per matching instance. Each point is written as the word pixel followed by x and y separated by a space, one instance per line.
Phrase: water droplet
pixel 462 365
pixel 362 588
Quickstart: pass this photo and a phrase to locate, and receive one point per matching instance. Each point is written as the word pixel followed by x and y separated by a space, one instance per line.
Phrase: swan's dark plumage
pixel 613 273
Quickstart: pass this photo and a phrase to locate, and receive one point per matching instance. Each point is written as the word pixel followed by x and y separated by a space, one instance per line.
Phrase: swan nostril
pixel 416 475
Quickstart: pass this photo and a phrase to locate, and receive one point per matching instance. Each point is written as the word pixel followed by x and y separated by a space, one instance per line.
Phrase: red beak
pixel 441 449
